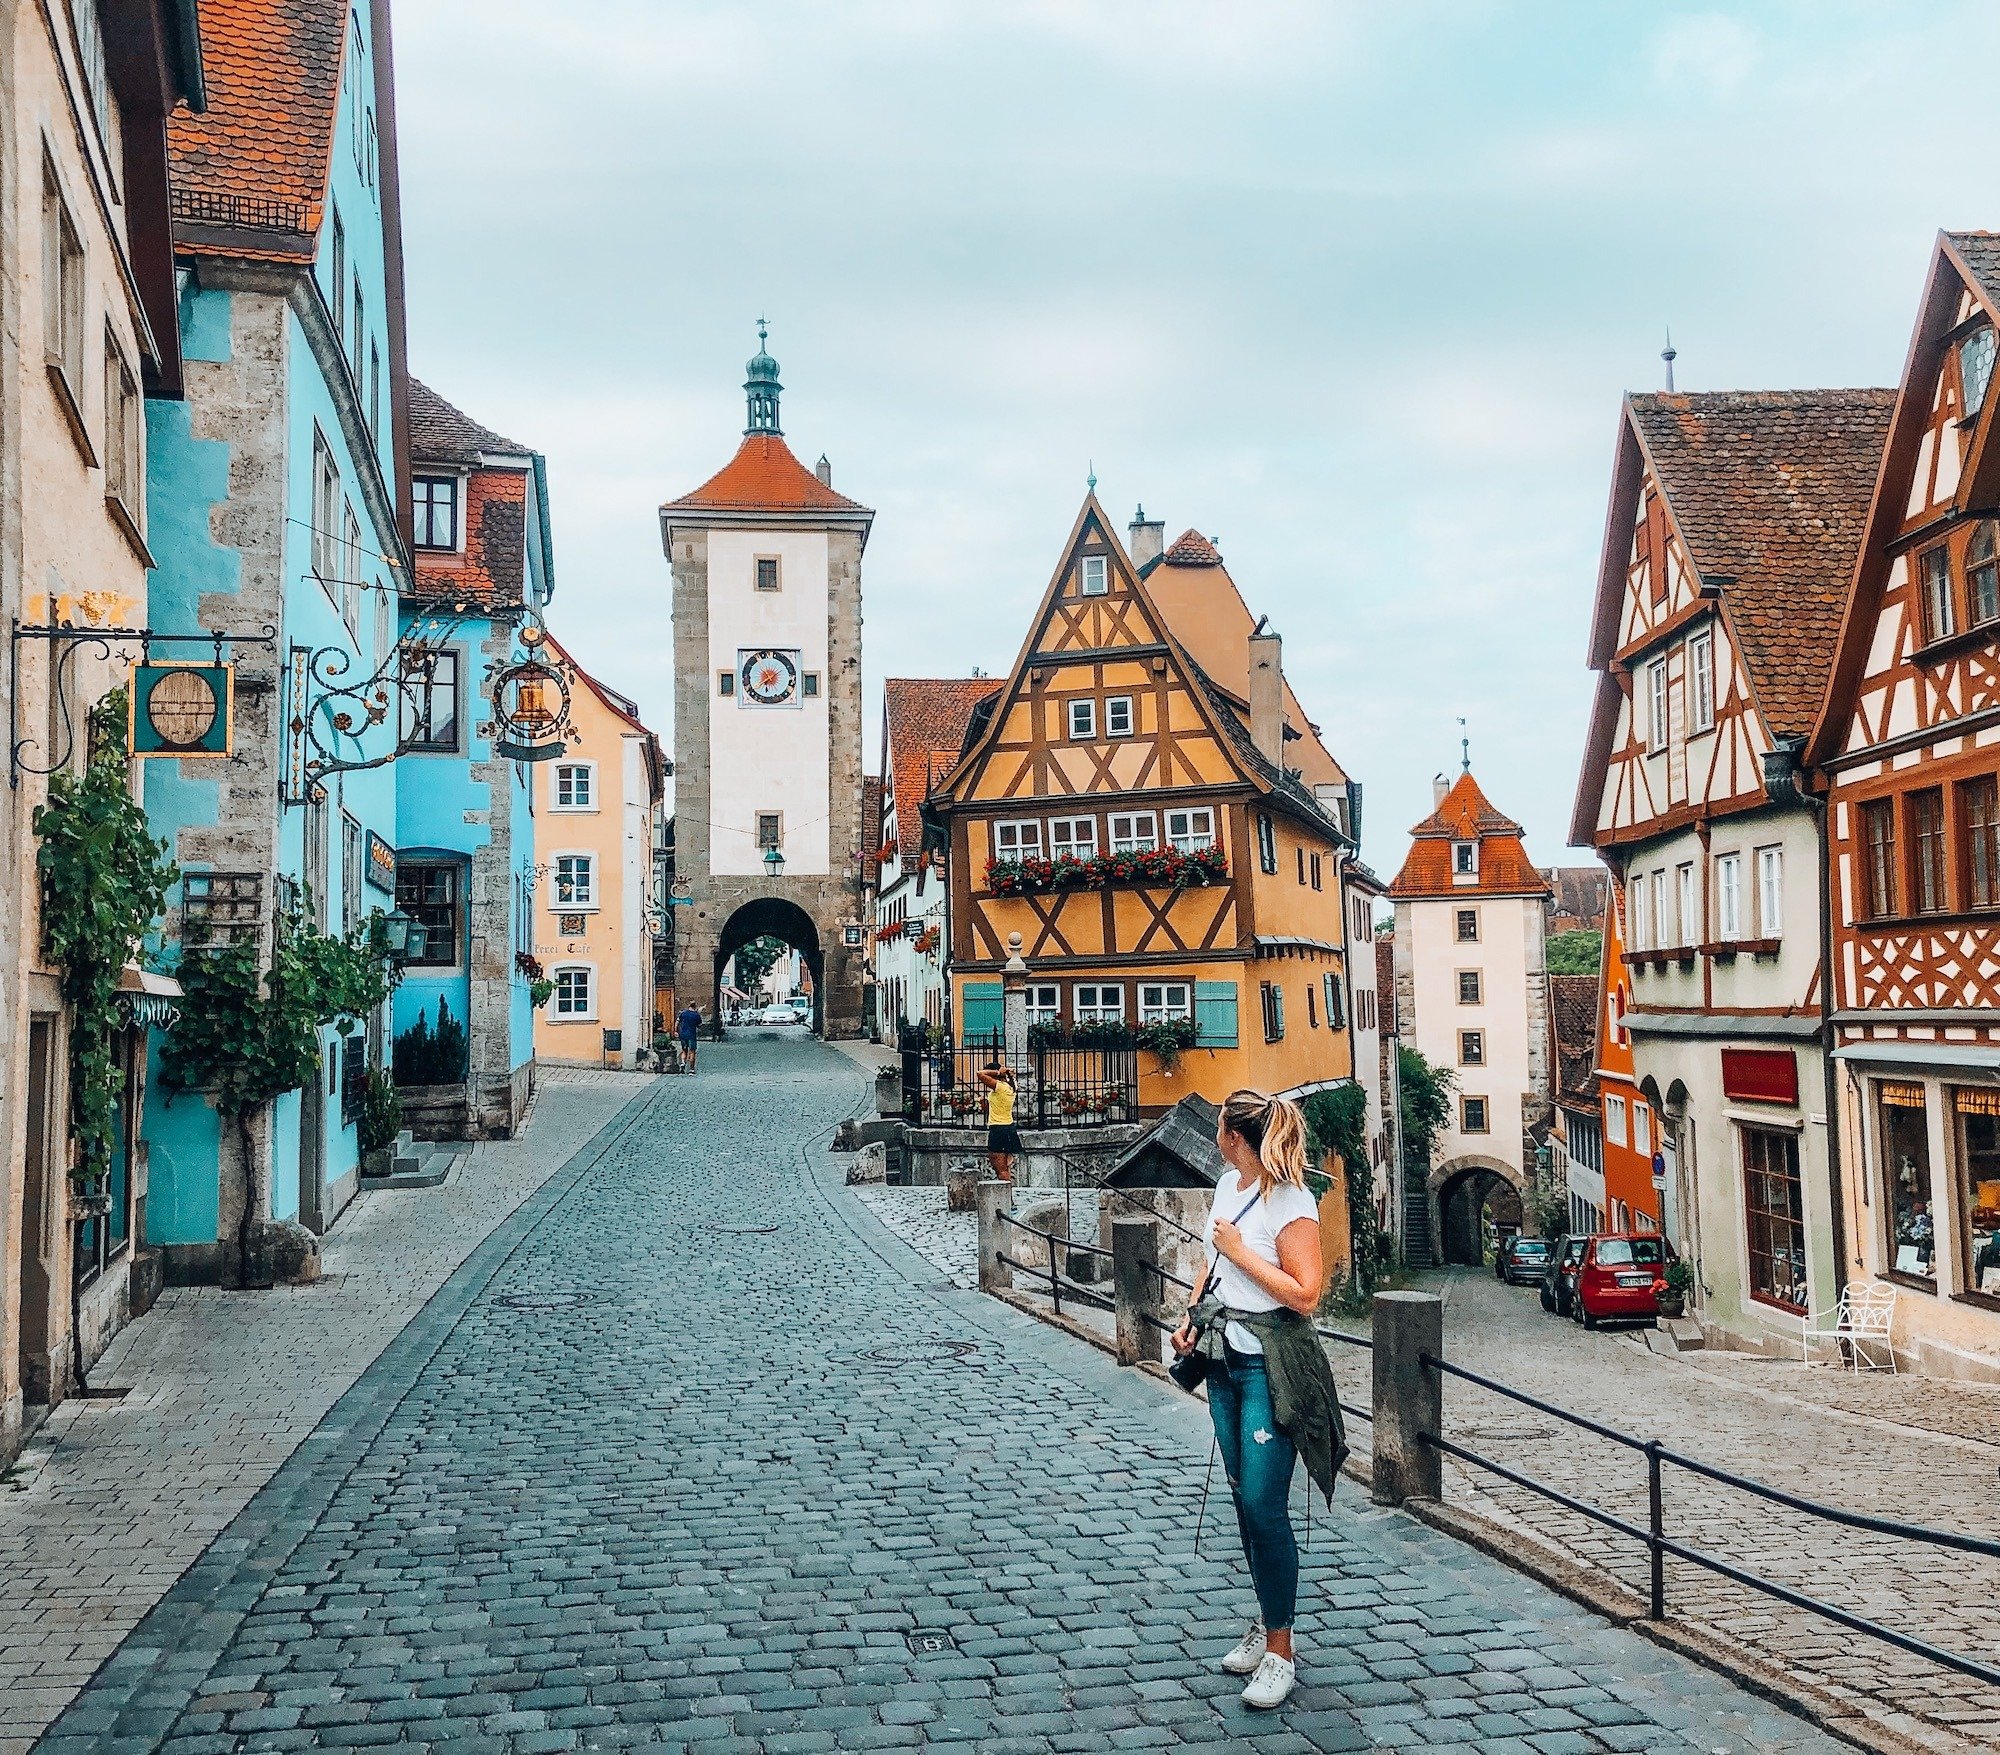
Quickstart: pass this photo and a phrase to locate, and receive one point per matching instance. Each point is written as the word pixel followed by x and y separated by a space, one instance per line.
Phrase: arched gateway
pixel 1470 1192
pixel 766 562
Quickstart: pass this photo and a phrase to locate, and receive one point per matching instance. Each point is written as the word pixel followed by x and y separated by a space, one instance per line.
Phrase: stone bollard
pixel 1409 1398
pixel 994 1198
pixel 1135 1288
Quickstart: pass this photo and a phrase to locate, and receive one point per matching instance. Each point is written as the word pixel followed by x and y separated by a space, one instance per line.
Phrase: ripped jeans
pixel 1258 1460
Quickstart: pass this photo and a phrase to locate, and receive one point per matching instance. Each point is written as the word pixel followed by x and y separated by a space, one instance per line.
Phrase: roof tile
pixel 763 476
pixel 927 719
pixel 1465 815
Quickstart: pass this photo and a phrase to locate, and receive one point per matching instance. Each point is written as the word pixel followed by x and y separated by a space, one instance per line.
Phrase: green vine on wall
pixel 104 882
pixel 248 1035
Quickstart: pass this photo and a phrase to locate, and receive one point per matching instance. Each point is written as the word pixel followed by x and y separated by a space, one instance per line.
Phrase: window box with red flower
pixel 1149 868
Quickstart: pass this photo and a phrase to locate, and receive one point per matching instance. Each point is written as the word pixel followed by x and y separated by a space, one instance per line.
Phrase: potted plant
pixel 381 1119
pixel 1673 1288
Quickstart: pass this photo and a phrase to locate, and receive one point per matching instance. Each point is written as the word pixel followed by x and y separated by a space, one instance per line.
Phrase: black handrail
pixel 1058 1281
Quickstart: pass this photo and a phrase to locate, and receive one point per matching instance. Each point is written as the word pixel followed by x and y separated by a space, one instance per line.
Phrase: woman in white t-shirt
pixel 1264 1230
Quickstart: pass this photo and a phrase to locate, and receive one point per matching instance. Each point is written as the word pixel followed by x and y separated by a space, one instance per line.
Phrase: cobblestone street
pixel 691 1451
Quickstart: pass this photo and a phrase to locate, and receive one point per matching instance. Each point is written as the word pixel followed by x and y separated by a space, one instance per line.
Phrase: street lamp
pixel 404 934
pixel 774 863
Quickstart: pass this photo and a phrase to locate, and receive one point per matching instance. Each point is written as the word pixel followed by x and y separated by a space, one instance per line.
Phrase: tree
pixel 1575 953
pixel 756 960
pixel 1426 1104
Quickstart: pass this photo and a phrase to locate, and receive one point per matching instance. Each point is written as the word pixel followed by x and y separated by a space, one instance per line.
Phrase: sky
pixel 1353 289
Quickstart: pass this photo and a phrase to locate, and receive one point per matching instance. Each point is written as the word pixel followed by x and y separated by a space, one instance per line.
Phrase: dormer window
pixel 1975 367
pixel 1464 859
pixel 1095 576
pixel 434 500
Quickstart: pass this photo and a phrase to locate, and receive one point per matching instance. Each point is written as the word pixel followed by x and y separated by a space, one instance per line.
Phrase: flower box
pixel 1155 868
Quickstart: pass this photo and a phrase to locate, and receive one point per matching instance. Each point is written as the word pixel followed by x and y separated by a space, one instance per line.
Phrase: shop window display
pixel 1976 1114
pixel 1906 1160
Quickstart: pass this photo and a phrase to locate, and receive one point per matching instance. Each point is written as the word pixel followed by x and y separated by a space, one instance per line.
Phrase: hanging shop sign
pixel 380 867
pixel 181 709
pixel 531 706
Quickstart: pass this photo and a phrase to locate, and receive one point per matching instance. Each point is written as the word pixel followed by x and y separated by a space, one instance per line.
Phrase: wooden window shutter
pixel 984 1013
pixel 1215 1014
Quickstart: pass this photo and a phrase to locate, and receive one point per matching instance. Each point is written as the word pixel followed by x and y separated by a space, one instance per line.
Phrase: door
pixel 312 1145
pixel 39 1222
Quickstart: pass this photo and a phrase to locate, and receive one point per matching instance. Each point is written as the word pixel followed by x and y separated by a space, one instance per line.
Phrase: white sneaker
pixel 1273 1683
pixel 1248 1652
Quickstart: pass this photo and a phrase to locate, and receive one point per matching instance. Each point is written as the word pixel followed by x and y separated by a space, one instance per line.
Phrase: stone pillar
pixel 1409 1398
pixel 1014 1002
pixel 1135 1288
pixel 993 1199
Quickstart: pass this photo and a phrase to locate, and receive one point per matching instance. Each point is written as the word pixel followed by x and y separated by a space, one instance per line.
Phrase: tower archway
pixel 773 917
pixel 1473 1194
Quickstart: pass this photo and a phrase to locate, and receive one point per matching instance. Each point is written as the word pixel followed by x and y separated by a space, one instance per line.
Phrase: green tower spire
pixel 761 387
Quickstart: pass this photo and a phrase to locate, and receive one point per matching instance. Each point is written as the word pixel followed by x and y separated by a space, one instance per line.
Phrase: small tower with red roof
pixel 766 562
pixel 1472 997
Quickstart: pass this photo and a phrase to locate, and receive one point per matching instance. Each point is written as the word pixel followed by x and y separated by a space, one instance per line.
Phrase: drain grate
pixel 545 1300
pixel 929 1641
pixel 921 1352
pixel 742 1230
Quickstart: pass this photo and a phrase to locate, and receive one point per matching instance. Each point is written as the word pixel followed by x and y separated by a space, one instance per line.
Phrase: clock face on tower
pixel 768 679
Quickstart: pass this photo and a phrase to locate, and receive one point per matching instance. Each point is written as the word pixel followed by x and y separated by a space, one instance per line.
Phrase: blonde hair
pixel 1273 1128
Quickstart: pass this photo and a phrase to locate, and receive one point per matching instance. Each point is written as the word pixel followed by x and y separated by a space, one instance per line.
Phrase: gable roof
pixel 440 433
pixel 1573 1023
pixel 1385 982
pixel 763 476
pixel 924 720
pixel 1581 891
pixel 1465 814
pixel 1191 549
pixel 1770 489
pixel 1979 254
pixel 250 171
pixel 871 816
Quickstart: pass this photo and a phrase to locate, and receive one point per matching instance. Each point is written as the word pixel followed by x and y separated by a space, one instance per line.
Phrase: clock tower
pixel 766 562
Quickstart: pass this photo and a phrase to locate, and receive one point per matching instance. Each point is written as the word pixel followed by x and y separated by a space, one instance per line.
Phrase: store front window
pixel 1976 1119
pixel 1775 1217
pixel 1906 1168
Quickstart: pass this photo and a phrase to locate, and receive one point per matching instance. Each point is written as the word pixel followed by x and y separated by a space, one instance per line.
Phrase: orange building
pixel 1629 1198
pixel 1168 839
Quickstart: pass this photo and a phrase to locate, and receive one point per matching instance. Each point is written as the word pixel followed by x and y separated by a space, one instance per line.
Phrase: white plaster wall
pixel 768 758
pixel 635 875
pixel 1508 937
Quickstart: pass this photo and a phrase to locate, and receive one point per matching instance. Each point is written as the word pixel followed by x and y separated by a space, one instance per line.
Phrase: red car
pixel 1620 1277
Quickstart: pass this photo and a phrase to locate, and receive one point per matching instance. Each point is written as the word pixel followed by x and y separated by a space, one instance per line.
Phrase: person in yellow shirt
pixel 1003 1139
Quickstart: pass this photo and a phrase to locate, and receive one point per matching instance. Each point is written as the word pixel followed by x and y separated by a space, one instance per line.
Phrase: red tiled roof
pixel 1573 1017
pixel 871 818
pixel 1771 488
pixel 1465 815
pixel 926 718
pixel 256 160
pixel 1581 892
pixel 763 476
pixel 1192 549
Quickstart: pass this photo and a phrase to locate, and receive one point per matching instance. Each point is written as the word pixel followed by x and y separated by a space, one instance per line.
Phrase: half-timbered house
pixel 1733 526
pixel 1908 745
pixel 1167 839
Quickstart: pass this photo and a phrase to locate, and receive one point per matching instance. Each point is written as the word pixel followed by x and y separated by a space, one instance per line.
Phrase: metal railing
pixel 1408 1411
pixel 1088 1084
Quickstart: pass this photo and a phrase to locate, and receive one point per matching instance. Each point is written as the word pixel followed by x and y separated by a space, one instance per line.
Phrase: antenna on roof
pixel 1464 749
pixel 1667 353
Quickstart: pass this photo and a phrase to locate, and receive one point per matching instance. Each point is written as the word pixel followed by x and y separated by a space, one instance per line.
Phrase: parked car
pixel 1559 1276
pixel 776 1014
pixel 1620 1277
pixel 1521 1261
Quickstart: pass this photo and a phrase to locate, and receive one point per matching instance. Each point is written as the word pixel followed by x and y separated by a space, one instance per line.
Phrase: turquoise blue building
pixel 277 498
pixel 464 1049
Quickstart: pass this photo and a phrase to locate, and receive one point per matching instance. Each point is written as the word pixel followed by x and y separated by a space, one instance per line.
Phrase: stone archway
pixel 773 917
pixel 1466 1193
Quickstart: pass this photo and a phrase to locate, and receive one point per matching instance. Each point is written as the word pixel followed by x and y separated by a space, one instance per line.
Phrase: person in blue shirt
pixel 688 1027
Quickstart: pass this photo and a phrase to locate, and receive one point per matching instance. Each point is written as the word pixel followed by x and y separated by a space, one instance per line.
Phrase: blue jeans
pixel 1258 1460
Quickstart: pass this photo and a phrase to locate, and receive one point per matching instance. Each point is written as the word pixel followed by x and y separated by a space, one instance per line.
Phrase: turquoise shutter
pixel 984 1013
pixel 1215 1014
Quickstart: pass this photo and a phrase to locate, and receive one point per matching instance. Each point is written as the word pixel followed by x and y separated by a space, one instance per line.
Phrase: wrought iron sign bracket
pixel 66 641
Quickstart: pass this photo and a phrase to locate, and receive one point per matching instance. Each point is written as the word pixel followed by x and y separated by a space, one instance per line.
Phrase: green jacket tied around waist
pixel 1303 1397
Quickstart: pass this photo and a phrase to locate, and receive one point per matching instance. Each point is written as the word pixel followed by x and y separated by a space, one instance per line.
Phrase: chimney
pixel 1267 695
pixel 824 470
pixel 1145 538
pixel 1439 787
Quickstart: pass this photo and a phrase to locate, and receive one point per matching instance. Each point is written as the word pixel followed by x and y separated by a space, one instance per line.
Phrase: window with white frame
pixel 1686 920
pixel 1162 1001
pixel 434 499
pixel 576 880
pixel 1095 576
pixel 1729 897
pixel 1614 1120
pixel 576 991
pixel 1662 921
pixel 1642 1130
pixel 1042 1003
pixel 1098 1002
pixel 1642 920
pixel 576 786
pixel 1701 680
pixel 325 512
pixel 1656 705
pixel 1083 718
pixel 1464 859
pixel 1188 831
pixel 350 571
pixel 1134 831
pixel 1770 892
pixel 1021 840
pixel 1073 836
pixel 1118 716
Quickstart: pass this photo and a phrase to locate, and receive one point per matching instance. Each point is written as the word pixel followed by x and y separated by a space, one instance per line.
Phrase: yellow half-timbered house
pixel 1169 840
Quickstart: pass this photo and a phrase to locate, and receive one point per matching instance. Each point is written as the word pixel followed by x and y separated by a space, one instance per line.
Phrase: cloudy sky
pixel 1352 288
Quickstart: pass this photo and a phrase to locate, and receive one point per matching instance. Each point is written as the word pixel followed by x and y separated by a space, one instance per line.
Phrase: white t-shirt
pixel 1285 1204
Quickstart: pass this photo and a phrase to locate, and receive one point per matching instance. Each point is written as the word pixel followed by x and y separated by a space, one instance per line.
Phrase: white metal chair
pixel 1863 1319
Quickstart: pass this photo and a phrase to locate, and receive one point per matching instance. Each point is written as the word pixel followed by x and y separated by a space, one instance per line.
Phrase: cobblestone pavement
pixel 692 1451
pixel 948 1241
pixel 1860 1445
pixel 113 1499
